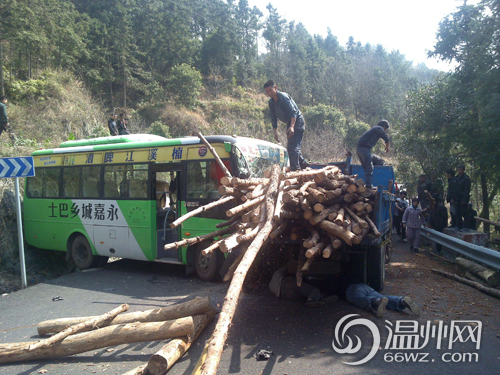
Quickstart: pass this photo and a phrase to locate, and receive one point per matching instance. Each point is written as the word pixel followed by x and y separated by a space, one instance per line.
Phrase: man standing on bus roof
pixel 283 108
pixel 365 145
pixel 112 124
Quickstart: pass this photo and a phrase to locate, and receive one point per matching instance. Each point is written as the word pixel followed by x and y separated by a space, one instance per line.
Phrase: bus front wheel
pixel 81 252
pixel 207 266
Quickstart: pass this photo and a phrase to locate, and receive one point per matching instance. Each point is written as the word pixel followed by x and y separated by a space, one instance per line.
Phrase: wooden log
pixel 372 226
pixel 293 202
pixel 219 336
pixel 291 181
pixel 368 208
pixel 494 223
pixel 316 195
pixel 247 217
pixel 306 173
pixel 348 237
pixel 209 236
pixel 356 229
pixel 166 357
pixel 470 276
pixel 216 156
pixel 327 251
pixel 244 183
pixel 212 247
pixel 201 209
pixel 359 206
pixel 489 291
pixel 312 240
pixel 257 192
pixel 316 219
pixel 491 277
pixel 360 221
pixel 333 215
pixel 339 220
pixel 101 338
pixel 350 198
pixel 336 243
pixel 229 243
pixel 290 195
pixel 245 206
pixel 232 268
pixel 304 204
pixel 80 327
pixel 305 186
pixel 250 235
pixel 370 193
pixel 316 250
pixel 228 222
pixel 279 230
pixel 196 306
pixel 308 214
pixel 256 213
pixel 318 207
pixel 291 187
pixel 352 188
pixel 279 202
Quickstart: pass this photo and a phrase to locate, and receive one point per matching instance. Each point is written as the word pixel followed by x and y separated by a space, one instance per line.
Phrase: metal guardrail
pixel 481 254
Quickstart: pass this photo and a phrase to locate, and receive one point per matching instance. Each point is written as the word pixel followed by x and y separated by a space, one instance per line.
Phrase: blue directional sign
pixel 17 167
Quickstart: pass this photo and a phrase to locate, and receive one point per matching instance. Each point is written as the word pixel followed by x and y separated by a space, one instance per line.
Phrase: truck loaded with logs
pixel 324 219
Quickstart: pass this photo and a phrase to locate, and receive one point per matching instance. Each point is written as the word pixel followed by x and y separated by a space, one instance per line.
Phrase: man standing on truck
pixel 365 145
pixel 283 108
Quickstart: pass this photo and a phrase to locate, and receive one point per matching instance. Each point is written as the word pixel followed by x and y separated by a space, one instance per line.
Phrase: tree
pixel 184 85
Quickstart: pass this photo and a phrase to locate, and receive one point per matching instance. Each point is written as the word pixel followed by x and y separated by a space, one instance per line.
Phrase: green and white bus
pixel 116 196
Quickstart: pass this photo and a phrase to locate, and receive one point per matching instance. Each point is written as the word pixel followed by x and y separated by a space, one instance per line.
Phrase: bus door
pixel 165 183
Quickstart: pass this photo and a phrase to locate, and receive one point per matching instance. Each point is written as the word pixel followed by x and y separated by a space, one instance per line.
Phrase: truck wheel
pixel 81 252
pixel 207 266
pixel 376 267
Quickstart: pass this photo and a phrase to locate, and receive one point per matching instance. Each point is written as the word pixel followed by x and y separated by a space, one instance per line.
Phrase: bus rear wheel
pixel 81 252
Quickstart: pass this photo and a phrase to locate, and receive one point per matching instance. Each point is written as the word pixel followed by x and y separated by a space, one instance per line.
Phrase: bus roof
pixel 142 140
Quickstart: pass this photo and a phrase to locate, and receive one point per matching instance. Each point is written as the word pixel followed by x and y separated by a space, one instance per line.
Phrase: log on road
pixel 196 306
pixel 165 358
pixel 491 277
pixel 101 338
pixel 489 291
pixel 81 327
pixel 231 301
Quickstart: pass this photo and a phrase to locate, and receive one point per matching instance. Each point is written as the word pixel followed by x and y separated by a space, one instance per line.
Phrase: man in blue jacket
pixel 365 145
pixel 283 108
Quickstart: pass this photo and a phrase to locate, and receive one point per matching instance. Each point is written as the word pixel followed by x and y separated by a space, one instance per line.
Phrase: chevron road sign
pixel 17 167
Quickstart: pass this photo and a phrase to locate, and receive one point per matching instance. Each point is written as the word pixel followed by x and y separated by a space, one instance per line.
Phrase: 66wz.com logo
pixel 410 335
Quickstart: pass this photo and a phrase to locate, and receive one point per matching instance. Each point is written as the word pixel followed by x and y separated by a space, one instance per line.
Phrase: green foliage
pixel 354 130
pixel 35 89
pixel 325 117
pixel 184 85
pixel 160 129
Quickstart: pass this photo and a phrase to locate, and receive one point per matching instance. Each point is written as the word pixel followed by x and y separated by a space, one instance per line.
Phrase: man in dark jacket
pixel 112 125
pixel 365 145
pixel 461 196
pixel 422 186
pixel 4 120
pixel 283 108
pixel 450 175
pixel 439 219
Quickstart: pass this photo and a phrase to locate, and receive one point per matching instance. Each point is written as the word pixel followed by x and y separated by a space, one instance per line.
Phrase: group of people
pixel 118 125
pixel 411 218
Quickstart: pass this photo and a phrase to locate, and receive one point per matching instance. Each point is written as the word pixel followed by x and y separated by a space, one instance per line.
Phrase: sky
pixel 404 25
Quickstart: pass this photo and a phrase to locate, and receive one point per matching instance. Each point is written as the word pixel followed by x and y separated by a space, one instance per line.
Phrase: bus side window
pixel 138 187
pixel 50 185
pixel 111 175
pixel 34 184
pixel 71 183
pixel 91 177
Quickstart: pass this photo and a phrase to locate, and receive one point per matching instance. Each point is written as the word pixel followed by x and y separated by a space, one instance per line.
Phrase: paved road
pixel 301 338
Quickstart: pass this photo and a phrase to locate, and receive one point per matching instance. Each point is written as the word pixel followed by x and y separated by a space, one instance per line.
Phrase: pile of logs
pixel 322 208
pixel 182 323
